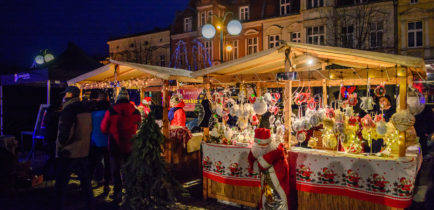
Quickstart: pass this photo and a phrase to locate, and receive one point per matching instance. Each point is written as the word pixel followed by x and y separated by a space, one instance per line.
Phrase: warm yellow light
pixel 219 27
pixel 228 48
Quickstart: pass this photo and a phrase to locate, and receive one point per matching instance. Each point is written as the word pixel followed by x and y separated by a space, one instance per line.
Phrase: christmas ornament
pixel 403 120
pixel 380 90
pixel 260 107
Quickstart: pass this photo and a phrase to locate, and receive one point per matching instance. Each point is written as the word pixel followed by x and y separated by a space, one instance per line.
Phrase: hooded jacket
pixel 120 123
pixel 177 115
pixel 75 127
pixel 98 108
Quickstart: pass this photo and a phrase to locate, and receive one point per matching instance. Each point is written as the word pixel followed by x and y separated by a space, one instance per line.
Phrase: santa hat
pixel 262 136
pixel 147 101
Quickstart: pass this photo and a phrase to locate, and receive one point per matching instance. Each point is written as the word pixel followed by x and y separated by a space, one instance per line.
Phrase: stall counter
pixel 340 181
pixel 226 176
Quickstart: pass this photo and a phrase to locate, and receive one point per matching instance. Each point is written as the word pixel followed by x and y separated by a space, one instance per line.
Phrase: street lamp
pixel 233 27
pixel 44 57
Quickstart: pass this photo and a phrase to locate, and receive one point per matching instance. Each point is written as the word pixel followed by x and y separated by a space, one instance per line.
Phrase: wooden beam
pixel 166 118
pixel 402 74
pixel 324 93
pixel 287 110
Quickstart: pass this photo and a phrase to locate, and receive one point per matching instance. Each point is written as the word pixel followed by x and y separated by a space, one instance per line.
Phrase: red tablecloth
pixel 387 181
pixel 228 164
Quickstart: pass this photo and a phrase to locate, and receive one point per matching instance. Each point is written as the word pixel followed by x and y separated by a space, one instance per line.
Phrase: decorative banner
pixel 229 165
pixel 191 97
pixel 387 181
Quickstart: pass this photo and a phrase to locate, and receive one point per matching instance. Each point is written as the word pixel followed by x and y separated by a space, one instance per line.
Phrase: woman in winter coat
pixel 177 114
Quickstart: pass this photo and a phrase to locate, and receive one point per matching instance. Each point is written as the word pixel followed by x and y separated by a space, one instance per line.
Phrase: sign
pixel 23 76
pixel 191 97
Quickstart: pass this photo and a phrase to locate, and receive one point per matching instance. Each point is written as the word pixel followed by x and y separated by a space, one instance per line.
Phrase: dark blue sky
pixel 28 26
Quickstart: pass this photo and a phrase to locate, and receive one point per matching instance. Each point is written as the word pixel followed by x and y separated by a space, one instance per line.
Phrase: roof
pixel 130 71
pixel 69 64
pixel 155 30
pixel 313 58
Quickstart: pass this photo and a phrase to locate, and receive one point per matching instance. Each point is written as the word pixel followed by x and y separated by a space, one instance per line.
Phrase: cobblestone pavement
pixel 42 198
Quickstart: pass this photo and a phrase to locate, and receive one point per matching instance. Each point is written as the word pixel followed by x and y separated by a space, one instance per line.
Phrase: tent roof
pixel 129 71
pixel 69 64
pixel 321 58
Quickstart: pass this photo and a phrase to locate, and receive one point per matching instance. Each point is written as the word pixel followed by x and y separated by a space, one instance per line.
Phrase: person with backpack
pixel 72 146
pixel 120 122
pixel 99 104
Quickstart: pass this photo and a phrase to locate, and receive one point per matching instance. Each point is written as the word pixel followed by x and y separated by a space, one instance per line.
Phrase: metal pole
pixel 1 109
pixel 48 91
pixel 221 45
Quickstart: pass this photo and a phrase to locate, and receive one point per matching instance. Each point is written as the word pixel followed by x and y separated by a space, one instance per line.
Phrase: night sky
pixel 28 26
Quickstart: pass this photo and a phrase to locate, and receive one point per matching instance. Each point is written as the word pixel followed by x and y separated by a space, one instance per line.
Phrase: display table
pixel 226 176
pixel 336 180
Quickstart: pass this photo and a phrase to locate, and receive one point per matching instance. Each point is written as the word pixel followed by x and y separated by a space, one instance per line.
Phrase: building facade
pixel 152 48
pixel 390 26
pixel 416 30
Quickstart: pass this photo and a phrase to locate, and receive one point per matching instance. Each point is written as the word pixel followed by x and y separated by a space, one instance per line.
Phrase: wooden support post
pixel 81 94
pixel 166 119
pixel 205 188
pixel 324 92
pixel 142 94
pixel 258 89
pixel 402 74
pixel 287 111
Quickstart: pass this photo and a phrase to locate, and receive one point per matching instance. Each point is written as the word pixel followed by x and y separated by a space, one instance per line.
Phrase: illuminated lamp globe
pixel 229 48
pixel 234 27
pixel 310 62
pixel 208 31
pixel 48 57
pixel 39 59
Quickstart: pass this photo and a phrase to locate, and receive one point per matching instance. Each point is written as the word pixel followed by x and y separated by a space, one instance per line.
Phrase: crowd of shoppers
pixel 91 135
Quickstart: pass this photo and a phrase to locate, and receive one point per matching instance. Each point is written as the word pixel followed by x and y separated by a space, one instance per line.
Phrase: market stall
pixel 353 127
pixel 116 75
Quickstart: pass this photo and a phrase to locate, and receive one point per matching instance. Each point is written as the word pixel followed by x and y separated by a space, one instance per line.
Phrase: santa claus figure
pixel 144 107
pixel 274 169
pixel 177 113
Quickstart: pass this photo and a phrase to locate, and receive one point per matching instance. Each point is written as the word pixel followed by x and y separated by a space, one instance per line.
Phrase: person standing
pixel 120 122
pixel 176 113
pixel 99 141
pixel 72 146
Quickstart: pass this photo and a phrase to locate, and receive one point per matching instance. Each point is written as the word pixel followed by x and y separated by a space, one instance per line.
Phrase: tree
pixel 352 26
pixel 148 184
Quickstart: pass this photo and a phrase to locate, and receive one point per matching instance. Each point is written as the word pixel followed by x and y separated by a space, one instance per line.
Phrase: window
pixel 244 13
pixel 234 53
pixel 295 37
pixel 204 17
pixel 187 24
pixel 415 34
pixel 315 35
pixel 314 3
pixel 252 45
pixel 132 45
pixel 347 36
pixel 207 46
pixel 273 41
pixel 376 34
pixel 285 6
pixel 414 1
pixel 162 60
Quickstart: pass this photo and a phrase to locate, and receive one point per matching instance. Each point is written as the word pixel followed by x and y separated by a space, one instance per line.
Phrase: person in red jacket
pixel 177 113
pixel 120 122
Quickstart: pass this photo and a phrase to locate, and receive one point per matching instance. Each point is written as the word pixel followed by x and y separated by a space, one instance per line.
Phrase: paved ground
pixel 42 197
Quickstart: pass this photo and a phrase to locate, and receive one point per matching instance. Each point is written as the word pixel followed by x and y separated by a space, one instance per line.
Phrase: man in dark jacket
pixel 99 104
pixel 72 146
pixel 120 123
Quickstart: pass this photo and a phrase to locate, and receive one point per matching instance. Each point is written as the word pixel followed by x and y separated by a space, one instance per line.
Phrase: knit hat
pixel 262 136
pixel 123 95
pixel 175 100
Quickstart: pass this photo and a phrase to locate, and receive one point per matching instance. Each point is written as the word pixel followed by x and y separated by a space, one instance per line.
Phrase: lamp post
pixel 233 27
